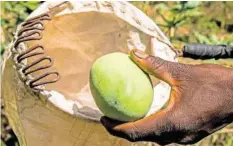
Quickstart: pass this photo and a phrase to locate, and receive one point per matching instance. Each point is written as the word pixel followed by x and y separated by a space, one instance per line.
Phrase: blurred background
pixel 182 22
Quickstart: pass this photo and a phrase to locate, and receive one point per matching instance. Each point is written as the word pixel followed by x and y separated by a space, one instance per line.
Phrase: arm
pixel 201 51
pixel 201 102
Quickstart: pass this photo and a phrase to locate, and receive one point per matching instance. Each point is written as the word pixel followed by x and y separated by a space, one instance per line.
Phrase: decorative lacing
pixel 29 31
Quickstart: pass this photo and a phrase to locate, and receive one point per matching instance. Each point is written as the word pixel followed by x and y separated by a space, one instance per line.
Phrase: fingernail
pixel 139 54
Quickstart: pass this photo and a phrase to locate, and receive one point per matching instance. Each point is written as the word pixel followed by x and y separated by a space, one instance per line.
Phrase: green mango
pixel 121 90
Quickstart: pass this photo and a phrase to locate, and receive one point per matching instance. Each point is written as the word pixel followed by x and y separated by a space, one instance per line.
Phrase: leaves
pixel 31 4
pixel 179 19
pixel 191 4
pixel 13 13
pixel 3 144
pixel 212 39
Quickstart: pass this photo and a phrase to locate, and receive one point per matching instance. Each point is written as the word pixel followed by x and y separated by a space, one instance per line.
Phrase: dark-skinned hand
pixel 200 103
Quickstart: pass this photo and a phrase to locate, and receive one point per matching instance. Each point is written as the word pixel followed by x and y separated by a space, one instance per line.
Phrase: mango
pixel 121 90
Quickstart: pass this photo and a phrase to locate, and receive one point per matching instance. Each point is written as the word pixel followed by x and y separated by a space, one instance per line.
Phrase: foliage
pixel 177 15
pixel 13 13
pixel 212 39
pixel 184 21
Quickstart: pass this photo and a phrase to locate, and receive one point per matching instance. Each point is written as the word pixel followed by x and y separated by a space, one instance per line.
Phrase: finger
pixel 111 126
pixel 150 128
pixel 158 67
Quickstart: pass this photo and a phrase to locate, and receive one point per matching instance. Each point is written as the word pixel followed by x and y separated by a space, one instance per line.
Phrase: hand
pixel 200 103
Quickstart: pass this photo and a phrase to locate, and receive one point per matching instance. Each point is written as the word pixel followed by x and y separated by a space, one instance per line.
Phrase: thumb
pixel 158 67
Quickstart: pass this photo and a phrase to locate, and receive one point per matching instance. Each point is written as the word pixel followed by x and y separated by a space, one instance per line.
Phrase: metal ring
pixel 33 84
pixel 25 69
pixel 28 37
pixel 26 54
